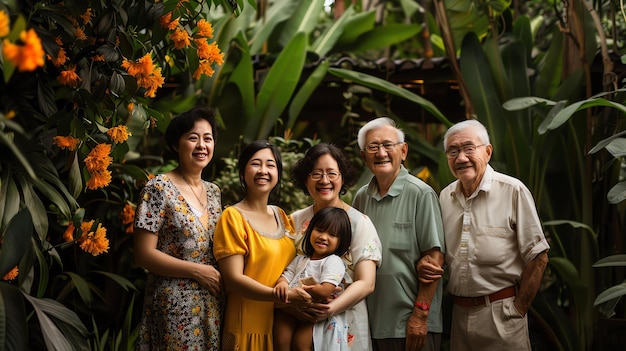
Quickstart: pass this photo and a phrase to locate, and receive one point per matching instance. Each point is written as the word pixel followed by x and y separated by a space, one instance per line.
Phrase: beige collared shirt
pixel 491 235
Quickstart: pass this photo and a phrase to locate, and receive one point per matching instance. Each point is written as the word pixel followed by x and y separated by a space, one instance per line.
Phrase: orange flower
pixel 80 34
pixel 96 242
pixel 66 142
pixel 69 77
pixel 118 134
pixel 204 68
pixel 166 21
pixel 130 107
pixel 128 214
pixel 99 179
pixel 98 158
pixel 85 228
pixel 60 59
pixel 12 274
pixel 26 57
pixel 180 37
pixel 205 28
pixel 86 16
pixel 148 77
pixel 68 234
pixel 4 24
pixel 99 58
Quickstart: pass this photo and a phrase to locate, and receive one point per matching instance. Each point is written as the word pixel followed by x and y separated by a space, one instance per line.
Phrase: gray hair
pixel 480 129
pixel 375 124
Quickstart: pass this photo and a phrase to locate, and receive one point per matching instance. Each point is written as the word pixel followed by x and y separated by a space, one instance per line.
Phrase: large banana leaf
pixel 304 19
pixel 482 91
pixel 385 86
pixel 278 87
pixel 325 42
pixel 305 92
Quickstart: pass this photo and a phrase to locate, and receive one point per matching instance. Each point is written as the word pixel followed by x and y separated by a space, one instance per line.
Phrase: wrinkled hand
pixel 210 278
pixel 416 330
pixel 428 270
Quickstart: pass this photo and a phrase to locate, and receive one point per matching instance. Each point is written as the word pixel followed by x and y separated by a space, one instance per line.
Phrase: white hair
pixel 480 129
pixel 375 124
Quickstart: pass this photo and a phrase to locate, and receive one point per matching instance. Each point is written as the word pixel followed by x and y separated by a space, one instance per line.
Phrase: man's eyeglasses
pixel 373 147
pixel 317 175
pixel 468 150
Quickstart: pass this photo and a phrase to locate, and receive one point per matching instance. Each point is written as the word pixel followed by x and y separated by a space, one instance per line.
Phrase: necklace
pixel 193 191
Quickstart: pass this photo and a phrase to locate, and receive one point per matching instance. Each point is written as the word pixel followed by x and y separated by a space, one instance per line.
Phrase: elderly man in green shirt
pixel 404 313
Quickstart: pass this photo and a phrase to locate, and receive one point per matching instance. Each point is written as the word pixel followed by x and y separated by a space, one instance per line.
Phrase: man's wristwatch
pixel 424 306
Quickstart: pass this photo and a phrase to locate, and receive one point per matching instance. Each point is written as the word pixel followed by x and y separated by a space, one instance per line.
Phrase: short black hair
pixel 184 122
pixel 300 171
pixel 247 153
pixel 333 220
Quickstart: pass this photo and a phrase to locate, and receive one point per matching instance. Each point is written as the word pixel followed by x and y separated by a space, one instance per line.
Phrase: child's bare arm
pixel 320 291
pixel 281 290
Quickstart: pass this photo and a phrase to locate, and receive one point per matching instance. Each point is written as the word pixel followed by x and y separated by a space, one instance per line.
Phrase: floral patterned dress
pixel 179 314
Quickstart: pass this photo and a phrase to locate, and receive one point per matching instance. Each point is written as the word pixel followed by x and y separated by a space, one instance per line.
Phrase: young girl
pixel 321 270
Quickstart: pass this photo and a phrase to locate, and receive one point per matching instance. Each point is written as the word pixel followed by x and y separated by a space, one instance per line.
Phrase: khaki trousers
pixel 433 343
pixel 496 326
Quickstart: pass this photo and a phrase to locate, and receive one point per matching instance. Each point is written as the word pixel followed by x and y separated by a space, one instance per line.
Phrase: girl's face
pixel 261 172
pixel 195 148
pixel 324 243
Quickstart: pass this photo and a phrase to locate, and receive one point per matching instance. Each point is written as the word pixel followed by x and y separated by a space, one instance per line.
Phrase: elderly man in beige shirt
pixel 496 250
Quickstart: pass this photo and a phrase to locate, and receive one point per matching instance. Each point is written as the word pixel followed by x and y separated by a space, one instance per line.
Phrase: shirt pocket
pixel 491 245
pixel 402 237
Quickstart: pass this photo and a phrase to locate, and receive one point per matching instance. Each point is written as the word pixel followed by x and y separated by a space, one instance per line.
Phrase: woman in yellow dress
pixel 253 244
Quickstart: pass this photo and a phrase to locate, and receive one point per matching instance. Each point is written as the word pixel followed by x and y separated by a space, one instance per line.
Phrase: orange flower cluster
pixel 118 134
pixel 12 274
pixel 128 216
pixel 27 56
pixel 208 53
pixel 93 242
pixel 97 163
pixel 66 142
pixel 69 77
pixel 4 24
pixel 61 57
pixel 148 77
pixel 96 242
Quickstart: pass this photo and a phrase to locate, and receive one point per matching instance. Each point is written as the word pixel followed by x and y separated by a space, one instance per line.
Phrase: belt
pixel 480 301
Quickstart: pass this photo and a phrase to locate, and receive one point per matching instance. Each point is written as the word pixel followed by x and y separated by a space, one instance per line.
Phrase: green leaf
pixel 8 142
pixel 617 193
pixel 574 224
pixel 385 86
pixel 15 240
pixel 305 92
pixel 13 326
pixel 384 36
pixel 120 280
pixel 611 261
pixel 356 26
pixel 617 147
pixel 520 103
pixel 276 14
pixel 303 20
pixel 614 292
pixel 36 208
pixel 554 111
pixel 278 87
pixel 325 42
pixel 49 313
pixel 482 91
pixel 82 286
pixel 565 114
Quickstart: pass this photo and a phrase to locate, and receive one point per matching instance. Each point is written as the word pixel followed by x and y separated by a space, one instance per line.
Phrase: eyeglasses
pixel 373 147
pixel 468 150
pixel 317 175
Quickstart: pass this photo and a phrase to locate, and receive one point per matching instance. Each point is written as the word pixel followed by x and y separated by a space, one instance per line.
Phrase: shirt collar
pixel 485 183
pixel 394 190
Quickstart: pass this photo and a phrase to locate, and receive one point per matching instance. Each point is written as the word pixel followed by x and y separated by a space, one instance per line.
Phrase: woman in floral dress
pixel 174 224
